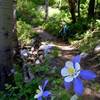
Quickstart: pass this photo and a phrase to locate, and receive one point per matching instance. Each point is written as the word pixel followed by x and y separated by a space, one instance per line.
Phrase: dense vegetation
pixel 31 14
pixel 83 33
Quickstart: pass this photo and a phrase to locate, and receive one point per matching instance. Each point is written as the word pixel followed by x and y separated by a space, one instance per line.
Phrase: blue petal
pixel 67 85
pixel 78 87
pixel 76 59
pixel 45 83
pixel 46 93
pixel 40 98
pixel 87 74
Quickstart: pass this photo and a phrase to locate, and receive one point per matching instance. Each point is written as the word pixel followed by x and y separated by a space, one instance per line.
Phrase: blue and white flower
pixel 69 72
pixel 72 73
pixel 46 48
pixel 41 92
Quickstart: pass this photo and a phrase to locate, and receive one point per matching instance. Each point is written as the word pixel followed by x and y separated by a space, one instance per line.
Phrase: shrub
pixel 27 11
pixel 54 23
pixel 24 31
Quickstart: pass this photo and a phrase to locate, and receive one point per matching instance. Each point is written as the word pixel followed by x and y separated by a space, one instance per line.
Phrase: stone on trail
pixel 84 55
pixel 97 49
pixel 37 62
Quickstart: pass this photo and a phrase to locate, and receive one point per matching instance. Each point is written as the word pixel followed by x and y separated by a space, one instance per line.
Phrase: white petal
pixel 76 74
pixel 40 87
pixel 68 79
pixel 40 93
pixel 64 72
pixel 77 67
pixel 69 64
pixel 77 70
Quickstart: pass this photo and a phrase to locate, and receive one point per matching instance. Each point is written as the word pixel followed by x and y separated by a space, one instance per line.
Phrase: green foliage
pixel 28 11
pixel 84 10
pixel 39 2
pixel 55 22
pixel 55 52
pixel 42 2
pixel 88 39
pixel 89 42
pixel 20 90
pixel 79 26
pixel 24 10
pixel 24 31
pixel 29 15
pixel 45 71
pixel 52 27
pixel 60 94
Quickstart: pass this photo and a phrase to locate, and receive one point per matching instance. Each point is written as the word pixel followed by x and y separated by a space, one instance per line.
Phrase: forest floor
pixel 67 51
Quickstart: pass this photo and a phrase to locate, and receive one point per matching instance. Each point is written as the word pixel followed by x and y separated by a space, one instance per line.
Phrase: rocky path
pixel 67 52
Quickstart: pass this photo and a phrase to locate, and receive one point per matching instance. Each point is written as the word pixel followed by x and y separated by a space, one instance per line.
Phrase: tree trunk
pixel 6 26
pixel 15 44
pixel 72 9
pixel 91 8
pixel 14 33
pixel 46 9
pixel 79 8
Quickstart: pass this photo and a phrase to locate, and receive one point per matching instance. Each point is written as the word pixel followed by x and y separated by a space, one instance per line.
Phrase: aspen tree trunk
pixel 14 33
pixel 6 30
pixel 15 44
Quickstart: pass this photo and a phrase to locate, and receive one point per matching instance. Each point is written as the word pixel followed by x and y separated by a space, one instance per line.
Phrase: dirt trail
pixel 67 52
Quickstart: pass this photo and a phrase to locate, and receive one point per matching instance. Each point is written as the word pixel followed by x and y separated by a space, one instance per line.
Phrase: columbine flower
pixel 72 73
pixel 41 92
pixel 46 48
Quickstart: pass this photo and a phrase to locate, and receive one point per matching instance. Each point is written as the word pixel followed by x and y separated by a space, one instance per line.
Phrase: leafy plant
pixel 24 31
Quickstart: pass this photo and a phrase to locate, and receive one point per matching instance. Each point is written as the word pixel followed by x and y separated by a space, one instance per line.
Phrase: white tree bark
pixel 14 33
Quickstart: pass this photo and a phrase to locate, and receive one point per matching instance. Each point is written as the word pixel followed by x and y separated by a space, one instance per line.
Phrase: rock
pixel 74 97
pixel 84 55
pixel 40 52
pixel 35 52
pixel 46 48
pixel 87 91
pixel 28 75
pixel 97 49
pixel 32 49
pixel 37 62
pixel 41 58
pixel 24 53
pixel 36 42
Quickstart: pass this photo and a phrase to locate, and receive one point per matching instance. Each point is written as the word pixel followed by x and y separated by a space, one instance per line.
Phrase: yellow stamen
pixel 71 71
pixel 38 91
